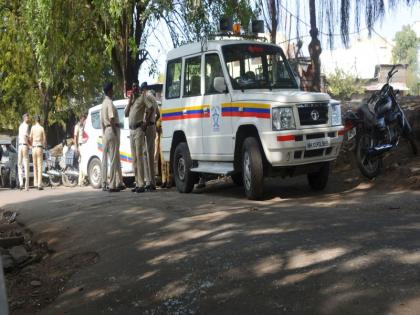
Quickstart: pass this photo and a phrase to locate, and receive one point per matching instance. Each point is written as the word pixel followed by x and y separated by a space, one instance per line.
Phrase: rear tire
pixel 369 167
pixel 252 169
pixel 184 178
pixel 319 180
pixel 70 181
pixel 95 173
pixel 238 179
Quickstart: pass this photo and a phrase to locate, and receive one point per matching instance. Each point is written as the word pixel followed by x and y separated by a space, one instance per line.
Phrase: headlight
pixel 283 118
pixel 335 114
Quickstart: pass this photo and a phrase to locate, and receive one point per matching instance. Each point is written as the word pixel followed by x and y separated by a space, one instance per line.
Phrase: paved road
pixel 354 249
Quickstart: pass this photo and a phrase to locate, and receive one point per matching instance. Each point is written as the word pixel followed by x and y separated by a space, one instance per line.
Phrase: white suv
pixel 234 108
pixel 92 150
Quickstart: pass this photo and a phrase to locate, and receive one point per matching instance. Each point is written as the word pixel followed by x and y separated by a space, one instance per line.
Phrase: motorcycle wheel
pixel 369 167
pixel 55 181
pixel 69 181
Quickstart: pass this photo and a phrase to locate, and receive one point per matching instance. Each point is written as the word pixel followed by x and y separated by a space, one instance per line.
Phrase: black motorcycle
pixel 377 127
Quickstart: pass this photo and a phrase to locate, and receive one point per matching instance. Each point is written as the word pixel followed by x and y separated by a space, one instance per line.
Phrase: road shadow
pixel 343 252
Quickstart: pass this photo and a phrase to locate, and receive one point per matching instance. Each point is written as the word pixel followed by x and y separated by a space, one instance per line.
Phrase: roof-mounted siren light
pixel 225 24
pixel 256 26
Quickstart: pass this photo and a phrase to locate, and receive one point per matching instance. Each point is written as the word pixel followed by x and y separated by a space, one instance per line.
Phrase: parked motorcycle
pixel 376 129
pixel 53 170
pixel 63 169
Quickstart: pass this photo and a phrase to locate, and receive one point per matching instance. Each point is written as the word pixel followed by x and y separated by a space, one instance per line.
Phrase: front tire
pixel 319 180
pixel 95 173
pixel 252 169
pixel 369 167
pixel 184 178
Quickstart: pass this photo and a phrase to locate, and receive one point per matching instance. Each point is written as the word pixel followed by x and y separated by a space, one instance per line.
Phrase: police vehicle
pixel 234 107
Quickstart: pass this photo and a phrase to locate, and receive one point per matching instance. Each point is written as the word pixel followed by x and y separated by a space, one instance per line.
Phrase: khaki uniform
pixel 23 154
pixel 164 166
pixel 78 135
pixel 38 140
pixel 136 115
pixel 111 144
pixel 151 137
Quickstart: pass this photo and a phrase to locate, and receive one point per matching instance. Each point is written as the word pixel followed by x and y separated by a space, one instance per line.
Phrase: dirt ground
pixel 352 249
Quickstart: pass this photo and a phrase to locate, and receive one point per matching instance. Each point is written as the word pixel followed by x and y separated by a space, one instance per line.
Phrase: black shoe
pixel 140 190
pixel 40 188
pixel 20 187
pixel 104 188
pixel 122 187
pixel 163 185
pixel 134 189
pixel 114 190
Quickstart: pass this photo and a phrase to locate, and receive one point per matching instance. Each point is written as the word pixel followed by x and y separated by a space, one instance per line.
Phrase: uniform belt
pixel 136 125
pixel 38 146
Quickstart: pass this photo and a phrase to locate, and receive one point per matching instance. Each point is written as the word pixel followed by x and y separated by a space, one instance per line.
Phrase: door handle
pixel 128 137
pixel 100 137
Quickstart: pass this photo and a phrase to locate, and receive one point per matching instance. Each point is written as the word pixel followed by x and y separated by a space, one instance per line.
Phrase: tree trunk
pixel 313 74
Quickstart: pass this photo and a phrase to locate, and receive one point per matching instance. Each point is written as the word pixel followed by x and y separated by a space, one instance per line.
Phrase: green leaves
pixel 405 52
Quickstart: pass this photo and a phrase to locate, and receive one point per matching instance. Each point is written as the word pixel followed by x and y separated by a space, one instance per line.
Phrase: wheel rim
pixel 95 174
pixel 181 168
pixel 247 171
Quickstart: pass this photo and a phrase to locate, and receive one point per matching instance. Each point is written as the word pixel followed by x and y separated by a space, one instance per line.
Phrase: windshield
pixel 255 66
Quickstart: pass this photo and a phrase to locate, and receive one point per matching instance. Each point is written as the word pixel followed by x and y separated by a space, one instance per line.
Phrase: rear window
pixel 96 119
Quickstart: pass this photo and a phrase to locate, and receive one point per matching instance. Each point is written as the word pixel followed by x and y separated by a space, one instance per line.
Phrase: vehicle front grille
pixel 313 113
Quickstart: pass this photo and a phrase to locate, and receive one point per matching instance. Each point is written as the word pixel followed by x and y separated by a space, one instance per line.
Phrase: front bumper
pixel 289 148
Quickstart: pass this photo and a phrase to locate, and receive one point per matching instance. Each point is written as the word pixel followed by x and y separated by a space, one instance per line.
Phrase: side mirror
pixel 220 84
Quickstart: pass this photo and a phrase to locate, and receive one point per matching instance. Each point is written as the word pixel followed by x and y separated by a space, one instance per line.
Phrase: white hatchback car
pixel 92 149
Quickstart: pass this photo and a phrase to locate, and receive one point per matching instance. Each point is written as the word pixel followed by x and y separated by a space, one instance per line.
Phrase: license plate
pixel 317 144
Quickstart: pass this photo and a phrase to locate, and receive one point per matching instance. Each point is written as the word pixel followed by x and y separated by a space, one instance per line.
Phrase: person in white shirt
pixel 79 141
pixel 23 152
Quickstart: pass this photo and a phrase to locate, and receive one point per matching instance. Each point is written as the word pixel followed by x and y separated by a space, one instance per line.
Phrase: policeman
pixel 151 116
pixel 110 132
pixel 38 140
pixel 164 166
pixel 23 152
pixel 135 111
pixel 79 141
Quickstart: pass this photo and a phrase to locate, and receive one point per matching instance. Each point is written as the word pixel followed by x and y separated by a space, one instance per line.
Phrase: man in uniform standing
pixel 23 152
pixel 79 141
pixel 39 141
pixel 151 116
pixel 111 150
pixel 135 111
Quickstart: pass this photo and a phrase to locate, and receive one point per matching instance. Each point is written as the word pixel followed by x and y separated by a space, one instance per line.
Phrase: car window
pixel 192 76
pixel 121 116
pixel 96 119
pixel 213 69
pixel 173 79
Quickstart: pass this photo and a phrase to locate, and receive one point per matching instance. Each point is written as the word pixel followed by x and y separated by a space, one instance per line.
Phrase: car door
pixel 125 148
pixel 217 128
pixel 193 111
